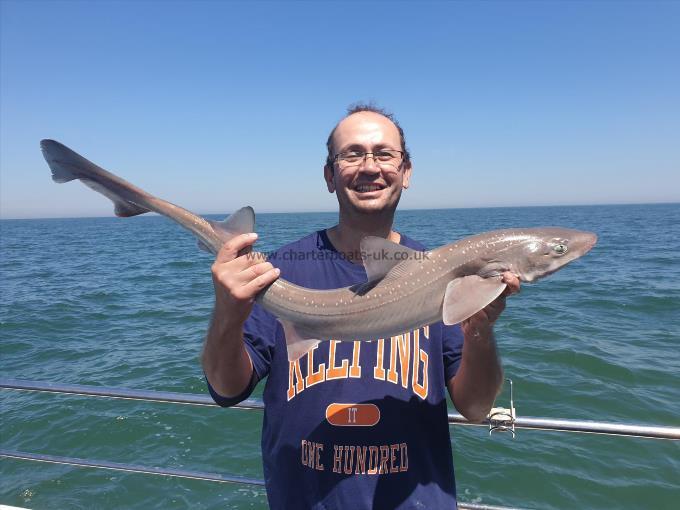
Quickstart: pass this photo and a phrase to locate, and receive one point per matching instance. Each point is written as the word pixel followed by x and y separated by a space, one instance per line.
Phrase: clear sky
pixel 215 105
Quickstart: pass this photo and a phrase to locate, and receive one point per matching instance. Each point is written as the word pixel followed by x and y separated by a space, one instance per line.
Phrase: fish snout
pixel 587 241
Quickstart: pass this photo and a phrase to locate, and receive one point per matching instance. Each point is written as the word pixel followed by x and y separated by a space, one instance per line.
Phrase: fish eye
pixel 560 249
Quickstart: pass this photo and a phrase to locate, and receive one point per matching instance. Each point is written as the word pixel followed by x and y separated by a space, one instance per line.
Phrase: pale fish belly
pixel 343 315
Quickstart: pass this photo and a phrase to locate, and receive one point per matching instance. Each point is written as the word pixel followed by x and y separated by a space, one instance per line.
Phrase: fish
pixel 405 289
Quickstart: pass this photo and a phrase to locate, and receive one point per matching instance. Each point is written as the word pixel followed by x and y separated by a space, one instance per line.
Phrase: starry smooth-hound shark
pixel 405 289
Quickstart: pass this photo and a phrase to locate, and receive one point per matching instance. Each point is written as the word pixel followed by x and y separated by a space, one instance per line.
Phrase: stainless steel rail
pixel 582 426
pixel 122 393
pixel 176 473
pixel 130 468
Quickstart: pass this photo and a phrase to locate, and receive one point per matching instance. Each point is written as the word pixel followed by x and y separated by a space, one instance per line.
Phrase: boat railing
pixel 500 419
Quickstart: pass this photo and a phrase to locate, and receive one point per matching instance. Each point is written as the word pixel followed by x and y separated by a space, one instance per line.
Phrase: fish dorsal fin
pixel 239 222
pixel 380 256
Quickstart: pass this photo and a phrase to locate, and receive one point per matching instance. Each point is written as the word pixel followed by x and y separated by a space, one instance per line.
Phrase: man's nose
pixel 369 164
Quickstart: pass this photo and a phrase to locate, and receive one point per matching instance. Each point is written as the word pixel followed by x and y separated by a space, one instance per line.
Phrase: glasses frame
pixel 372 153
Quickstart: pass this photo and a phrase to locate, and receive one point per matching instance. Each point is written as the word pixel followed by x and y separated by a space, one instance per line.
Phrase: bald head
pixel 369 113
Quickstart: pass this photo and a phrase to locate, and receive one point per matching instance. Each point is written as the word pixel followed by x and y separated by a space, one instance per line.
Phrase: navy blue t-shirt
pixel 352 424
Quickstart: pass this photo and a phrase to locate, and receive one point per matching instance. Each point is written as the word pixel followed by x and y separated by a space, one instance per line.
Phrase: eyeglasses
pixel 387 159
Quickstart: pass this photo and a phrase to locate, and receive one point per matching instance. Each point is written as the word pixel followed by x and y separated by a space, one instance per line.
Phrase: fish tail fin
pixel 129 200
pixel 61 173
pixel 67 165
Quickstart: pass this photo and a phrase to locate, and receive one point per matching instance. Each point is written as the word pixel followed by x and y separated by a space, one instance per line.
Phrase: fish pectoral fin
pixel 380 256
pixel 467 295
pixel 297 344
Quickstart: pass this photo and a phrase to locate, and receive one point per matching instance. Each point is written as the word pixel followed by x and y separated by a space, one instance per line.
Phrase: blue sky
pixel 215 105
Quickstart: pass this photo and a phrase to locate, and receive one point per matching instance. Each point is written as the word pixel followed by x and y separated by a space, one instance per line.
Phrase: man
pixel 350 424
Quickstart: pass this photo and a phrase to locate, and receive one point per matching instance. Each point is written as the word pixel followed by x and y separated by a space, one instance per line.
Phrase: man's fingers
pixel 259 283
pixel 231 248
pixel 243 262
pixel 251 272
pixel 512 282
pixel 240 271
pixel 491 312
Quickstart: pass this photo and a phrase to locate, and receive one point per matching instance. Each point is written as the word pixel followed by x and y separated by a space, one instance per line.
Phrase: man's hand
pixel 483 320
pixel 237 281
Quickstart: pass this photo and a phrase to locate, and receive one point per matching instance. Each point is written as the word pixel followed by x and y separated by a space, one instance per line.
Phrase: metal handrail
pixel 177 473
pixel 560 425
pixel 583 426
pixel 130 468
pixel 121 393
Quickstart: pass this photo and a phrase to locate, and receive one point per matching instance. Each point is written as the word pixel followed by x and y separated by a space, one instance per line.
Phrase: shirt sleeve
pixel 452 349
pixel 223 401
pixel 259 338
pixel 260 332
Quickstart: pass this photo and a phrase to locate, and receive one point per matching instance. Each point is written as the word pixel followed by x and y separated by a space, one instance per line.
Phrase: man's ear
pixel 328 177
pixel 406 179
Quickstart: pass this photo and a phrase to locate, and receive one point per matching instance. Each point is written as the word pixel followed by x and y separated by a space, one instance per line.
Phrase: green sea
pixel 126 302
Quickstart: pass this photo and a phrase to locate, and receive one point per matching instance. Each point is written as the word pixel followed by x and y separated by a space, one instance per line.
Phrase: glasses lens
pixel 389 159
pixel 387 156
pixel 351 158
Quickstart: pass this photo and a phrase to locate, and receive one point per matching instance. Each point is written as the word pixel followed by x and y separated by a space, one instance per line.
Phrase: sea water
pixel 126 302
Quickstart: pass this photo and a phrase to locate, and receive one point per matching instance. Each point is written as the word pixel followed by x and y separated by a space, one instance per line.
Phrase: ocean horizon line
pixel 405 209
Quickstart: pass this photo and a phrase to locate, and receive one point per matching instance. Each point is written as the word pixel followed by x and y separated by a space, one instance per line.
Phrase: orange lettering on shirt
pixel 335 372
pixel 393 458
pixel 337 459
pixel 403 465
pixel 379 370
pixel 349 456
pixel 361 461
pixel 372 460
pixel 294 369
pixel 384 457
pixel 314 377
pixel 304 453
pixel 404 357
pixel 319 449
pixel 355 368
pixel 310 453
pixel 419 389
pixel 392 372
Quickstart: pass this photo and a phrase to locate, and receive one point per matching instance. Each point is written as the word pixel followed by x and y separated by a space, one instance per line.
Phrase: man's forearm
pixel 225 360
pixel 479 378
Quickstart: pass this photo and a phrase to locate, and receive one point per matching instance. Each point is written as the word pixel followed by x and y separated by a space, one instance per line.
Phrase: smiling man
pixel 350 424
